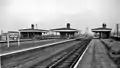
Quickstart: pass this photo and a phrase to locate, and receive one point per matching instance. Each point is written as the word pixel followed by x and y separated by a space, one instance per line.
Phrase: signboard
pixel 13 35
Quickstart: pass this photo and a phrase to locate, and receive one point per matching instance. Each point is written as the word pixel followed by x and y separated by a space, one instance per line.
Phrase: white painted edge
pixel 76 65
pixel 25 40
pixel 31 48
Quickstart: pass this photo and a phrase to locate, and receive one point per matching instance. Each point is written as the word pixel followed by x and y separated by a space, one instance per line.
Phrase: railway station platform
pixel 24 46
pixel 96 56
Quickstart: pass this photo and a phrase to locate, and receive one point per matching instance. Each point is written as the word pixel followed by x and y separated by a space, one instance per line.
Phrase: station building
pixel 31 33
pixel 66 32
pixel 102 32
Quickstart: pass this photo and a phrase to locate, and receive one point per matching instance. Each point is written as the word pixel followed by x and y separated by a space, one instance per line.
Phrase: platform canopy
pixel 31 32
pixel 66 31
pixel 32 29
pixel 103 31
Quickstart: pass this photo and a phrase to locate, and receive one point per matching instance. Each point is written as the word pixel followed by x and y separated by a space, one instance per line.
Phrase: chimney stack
pixel 104 25
pixel 68 25
pixel 32 26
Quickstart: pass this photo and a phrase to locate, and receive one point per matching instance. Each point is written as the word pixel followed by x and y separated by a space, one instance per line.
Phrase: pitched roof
pixel 64 30
pixel 32 30
pixel 101 29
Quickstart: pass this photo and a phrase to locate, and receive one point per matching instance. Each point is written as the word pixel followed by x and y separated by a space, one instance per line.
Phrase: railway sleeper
pixel 66 62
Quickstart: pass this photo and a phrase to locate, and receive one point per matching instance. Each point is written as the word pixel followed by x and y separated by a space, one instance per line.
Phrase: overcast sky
pixel 18 14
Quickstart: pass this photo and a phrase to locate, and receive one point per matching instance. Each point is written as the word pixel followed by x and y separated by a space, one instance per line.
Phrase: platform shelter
pixel 102 32
pixel 66 32
pixel 31 33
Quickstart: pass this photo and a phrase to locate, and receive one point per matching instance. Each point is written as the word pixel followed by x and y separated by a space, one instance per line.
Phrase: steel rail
pixel 74 55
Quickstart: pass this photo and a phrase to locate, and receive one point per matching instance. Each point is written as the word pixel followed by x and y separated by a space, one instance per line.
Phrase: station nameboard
pixel 13 35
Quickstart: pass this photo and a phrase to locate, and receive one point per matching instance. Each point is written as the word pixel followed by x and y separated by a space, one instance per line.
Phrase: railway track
pixel 33 59
pixel 65 59
pixel 71 58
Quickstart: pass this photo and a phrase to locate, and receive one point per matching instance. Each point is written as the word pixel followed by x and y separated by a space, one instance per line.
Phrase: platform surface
pixel 24 45
pixel 29 46
pixel 96 57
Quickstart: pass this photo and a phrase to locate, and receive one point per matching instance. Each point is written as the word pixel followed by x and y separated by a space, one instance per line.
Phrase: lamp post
pixel 8 41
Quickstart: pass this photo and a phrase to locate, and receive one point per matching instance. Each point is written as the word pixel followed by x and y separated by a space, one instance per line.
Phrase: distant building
pixel 66 32
pixel 0 37
pixel 4 36
pixel 102 32
pixel 31 33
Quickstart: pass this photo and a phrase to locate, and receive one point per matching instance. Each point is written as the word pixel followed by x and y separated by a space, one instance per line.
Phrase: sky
pixel 50 14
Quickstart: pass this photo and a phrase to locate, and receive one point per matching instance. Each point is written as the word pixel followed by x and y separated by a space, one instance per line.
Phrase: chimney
pixel 32 26
pixel 104 25
pixel 68 25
